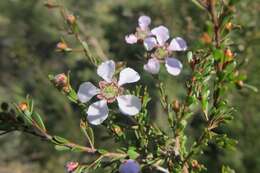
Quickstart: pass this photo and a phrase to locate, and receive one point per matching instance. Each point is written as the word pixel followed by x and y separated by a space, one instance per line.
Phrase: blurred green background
pixel 29 33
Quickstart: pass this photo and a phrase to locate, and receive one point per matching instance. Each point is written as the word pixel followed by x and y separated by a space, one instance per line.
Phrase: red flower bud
pixel 71 166
pixel 61 82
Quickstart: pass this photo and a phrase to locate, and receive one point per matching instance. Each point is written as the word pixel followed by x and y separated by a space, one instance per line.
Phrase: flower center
pixel 161 53
pixel 141 34
pixel 109 91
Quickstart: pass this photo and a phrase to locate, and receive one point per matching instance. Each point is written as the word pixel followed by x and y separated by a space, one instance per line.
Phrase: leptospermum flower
pixel 129 166
pixel 142 31
pixel 109 91
pixel 163 51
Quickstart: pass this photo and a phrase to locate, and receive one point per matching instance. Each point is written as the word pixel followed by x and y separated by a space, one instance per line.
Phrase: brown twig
pixel 215 21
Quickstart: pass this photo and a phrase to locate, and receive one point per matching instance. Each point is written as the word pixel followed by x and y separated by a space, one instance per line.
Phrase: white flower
pixel 129 166
pixel 153 66
pixel 163 51
pixel 142 31
pixel 144 22
pixel 162 36
pixel 109 91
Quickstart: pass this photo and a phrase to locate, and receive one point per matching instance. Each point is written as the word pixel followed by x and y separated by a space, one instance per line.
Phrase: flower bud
pixel 205 38
pixel 176 106
pixel 62 46
pixel 129 166
pixel 71 166
pixel 71 19
pixel 229 26
pixel 240 84
pixel 23 106
pixel 195 164
pixel 61 82
pixel 193 79
pixel 229 54
pixel 116 129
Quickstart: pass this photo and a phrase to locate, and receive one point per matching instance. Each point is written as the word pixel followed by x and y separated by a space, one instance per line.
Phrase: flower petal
pixel 161 33
pixel 150 43
pixel 86 91
pixel 129 166
pixel 144 22
pixel 153 66
pixel 173 66
pixel 128 75
pixel 97 112
pixel 131 39
pixel 106 70
pixel 178 44
pixel 129 104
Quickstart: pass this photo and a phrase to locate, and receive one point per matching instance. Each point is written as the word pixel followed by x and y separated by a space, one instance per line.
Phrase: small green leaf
pixel 80 169
pixel 102 151
pixel 37 118
pixel 226 169
pixel 51 77
pixel 218 54
pixel 132 153
pixel 61 148
pixel 91 134
pixel 251 87
pixel 190 56
pixel 60 140
pixel 88 132
pixel 72 95
pixel 30 103
pixel 76 149
pixel 205 103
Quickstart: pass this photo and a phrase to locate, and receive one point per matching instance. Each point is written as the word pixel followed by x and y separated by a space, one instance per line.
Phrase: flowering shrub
pixel 143 146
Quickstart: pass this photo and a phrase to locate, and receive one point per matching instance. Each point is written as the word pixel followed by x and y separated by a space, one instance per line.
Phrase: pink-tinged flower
pixel 162 35
pixel 153 66
pixel 131 39
pixel 142 31
pixel 163 51
pixel 71 166
pixel 129 166
pixel 109 91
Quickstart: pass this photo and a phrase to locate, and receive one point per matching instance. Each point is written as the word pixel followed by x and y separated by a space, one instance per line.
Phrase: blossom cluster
pixel 111 88
pixel 156 42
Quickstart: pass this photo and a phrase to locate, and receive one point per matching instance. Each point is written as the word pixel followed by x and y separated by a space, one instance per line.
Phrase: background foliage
pixel 29 33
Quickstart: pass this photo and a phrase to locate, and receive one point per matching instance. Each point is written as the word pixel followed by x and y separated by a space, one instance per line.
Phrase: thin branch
pixel 215 21
pixel 5 132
